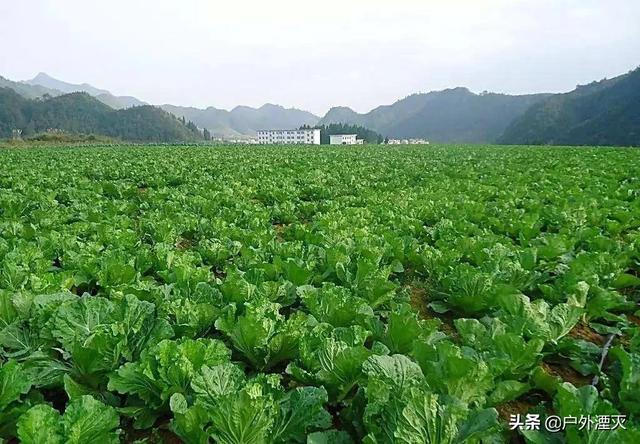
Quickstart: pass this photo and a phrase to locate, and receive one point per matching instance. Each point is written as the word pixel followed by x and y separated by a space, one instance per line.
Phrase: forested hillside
pixel 453 116
pixel 601 113
pixel 80 113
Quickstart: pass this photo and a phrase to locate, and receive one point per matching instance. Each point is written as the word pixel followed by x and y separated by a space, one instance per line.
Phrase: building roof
pixel 342 135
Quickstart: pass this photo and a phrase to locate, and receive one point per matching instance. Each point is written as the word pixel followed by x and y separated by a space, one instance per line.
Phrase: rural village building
pixel 344 139
pixel 302 136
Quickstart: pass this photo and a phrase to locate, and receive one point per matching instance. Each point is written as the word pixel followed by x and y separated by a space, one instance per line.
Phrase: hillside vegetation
pixel 80 113
pixel 601 113
pixel 451 116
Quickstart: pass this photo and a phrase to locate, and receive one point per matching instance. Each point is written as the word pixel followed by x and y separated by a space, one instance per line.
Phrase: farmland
pixel 318 294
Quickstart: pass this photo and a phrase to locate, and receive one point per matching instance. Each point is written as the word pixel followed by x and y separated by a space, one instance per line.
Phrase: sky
pixel 315 55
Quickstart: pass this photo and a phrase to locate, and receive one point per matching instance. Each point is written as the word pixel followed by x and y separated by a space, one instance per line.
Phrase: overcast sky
pixel 314 55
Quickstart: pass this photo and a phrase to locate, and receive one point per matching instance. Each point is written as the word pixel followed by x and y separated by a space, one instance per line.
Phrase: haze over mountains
pixel 605 112
pixel 57 87
pixel 454 116
pixel 244 120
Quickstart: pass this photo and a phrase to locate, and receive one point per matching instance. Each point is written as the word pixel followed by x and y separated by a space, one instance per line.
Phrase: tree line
pixel 369 136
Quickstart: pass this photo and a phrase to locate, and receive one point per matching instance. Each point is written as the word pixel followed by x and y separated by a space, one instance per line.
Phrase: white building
pixel 407 142
pixel 344 139
pixel 303 136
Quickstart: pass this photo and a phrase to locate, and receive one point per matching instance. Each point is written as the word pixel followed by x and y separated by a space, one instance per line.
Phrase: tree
pixel 369 136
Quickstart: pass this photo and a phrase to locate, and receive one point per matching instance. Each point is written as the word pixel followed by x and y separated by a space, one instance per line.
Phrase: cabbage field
pixel 322 295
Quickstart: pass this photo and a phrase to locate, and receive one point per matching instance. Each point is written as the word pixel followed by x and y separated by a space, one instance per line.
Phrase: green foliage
pixel 84 420
pixel 453 115
pixel 401 408
pixel 601 113
pixel 316 294
pixel 166 369
pixel 233 410
pixel 363 133
pixel 262 334
pixel 79 113
pixel 15 383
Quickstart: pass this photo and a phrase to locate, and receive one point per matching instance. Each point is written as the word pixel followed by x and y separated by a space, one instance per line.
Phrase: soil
pixel 158 435
pixel 583 331
pixel 515 407
pixel 279 229
pixel 633 318
pixel 419 300
pixel 567 374
pixel 183 244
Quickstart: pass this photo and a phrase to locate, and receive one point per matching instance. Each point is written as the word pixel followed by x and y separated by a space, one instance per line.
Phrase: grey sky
pixel 314 55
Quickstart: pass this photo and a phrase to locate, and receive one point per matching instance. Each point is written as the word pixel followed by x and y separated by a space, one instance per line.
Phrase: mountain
pixel 81 113
pixel 119 102
pixel 451 116
pixel 48 82
pixel 343 114
pixel 244 120
pixel 241 121
pixel 218 121
pixel 601 113
pixel 27 90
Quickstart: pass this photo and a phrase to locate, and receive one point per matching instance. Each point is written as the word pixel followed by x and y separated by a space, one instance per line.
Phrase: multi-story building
pixel 344 139
pixel 302 136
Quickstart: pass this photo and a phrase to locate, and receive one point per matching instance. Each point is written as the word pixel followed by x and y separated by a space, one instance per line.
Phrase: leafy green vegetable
pixel 85 420
pixel 403 328
pixel 292 294
pixel 331 358
pixel 507 353
pixel 454 371
pixel 538 318
pixel 336 305
pixel 400 407
pixel 165 369
pixel 14 384
pixel 630 381
pixel 231 409
pixel 262 334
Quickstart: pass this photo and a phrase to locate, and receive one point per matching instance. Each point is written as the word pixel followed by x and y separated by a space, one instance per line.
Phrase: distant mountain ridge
pixel 244 120
pixel 604 112
pixel 241 121
pixel 28 91
pixel 450 116
pixel 43 79
pixel 55 87
pixel 600 113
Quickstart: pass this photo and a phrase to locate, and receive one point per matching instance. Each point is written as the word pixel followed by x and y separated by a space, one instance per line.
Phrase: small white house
pixel 344 139
pixel 302 136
